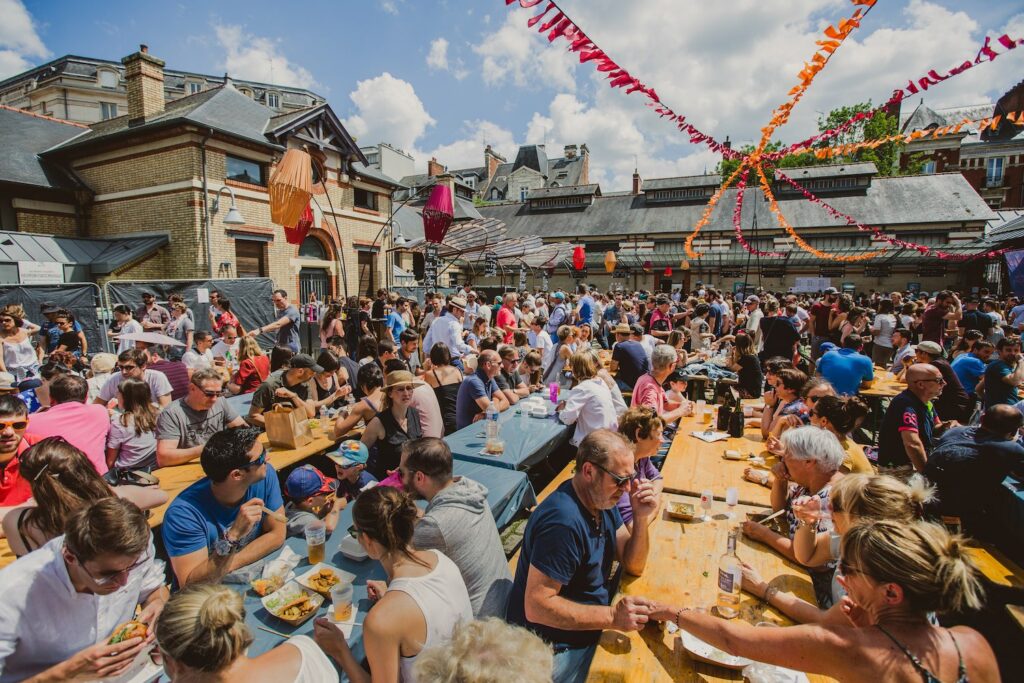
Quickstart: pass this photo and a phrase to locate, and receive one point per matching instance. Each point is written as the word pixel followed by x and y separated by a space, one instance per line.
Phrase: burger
pixel 127 631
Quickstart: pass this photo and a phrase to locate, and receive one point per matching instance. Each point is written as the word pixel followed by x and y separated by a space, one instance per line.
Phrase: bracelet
pixel 769 593
pixel 679 612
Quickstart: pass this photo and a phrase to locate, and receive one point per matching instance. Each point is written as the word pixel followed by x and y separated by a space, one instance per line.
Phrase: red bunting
pixel 737 220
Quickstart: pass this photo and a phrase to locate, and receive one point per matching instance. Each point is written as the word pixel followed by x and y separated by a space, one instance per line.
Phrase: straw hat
pixel 621 328
pixel 401 378
pixel 458 302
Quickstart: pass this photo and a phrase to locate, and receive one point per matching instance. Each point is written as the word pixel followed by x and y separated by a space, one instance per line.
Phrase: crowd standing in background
pixel 83 433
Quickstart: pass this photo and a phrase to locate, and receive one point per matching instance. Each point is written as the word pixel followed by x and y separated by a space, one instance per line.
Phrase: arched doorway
pixel 314 280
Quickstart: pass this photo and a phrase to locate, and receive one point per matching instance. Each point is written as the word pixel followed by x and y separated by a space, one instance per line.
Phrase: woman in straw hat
pixel 396 423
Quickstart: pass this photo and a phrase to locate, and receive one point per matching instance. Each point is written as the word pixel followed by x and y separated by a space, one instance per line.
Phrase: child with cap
pixel 311 497
pixel 350 466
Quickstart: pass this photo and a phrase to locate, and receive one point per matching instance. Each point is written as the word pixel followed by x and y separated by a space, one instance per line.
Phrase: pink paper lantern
pixel 438 213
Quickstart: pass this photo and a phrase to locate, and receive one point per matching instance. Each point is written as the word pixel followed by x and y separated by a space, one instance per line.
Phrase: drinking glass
pixel 732 498
pixel 316 541
pixel 705 503
pixel 341 597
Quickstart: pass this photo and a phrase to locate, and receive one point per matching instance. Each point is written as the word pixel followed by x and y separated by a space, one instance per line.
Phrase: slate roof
pixel 939 199
pixel 565 172
pixel 23 137
pixel 103 256
pixel 532 156
pixel 924 116
pixel 682 182
pixel 829 171
pixel 570 191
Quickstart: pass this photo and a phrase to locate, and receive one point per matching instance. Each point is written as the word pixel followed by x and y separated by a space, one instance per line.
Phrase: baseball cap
pixel 304 361
pixel 752 300
pixel 831 290
pixel 349 453
pixel 930 347
pixel 677 375
pixel 307 481
pixel 559 295
pixel 826 347
pixel 48 307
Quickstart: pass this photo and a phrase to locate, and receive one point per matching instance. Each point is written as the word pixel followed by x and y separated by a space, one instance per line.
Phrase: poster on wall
pixel 1015 267
pixel 522 278
pixel 812 284
pixel 490 265
pixel 40 273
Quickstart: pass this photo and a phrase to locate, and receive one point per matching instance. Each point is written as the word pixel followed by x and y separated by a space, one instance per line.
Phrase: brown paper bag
pixel 287 427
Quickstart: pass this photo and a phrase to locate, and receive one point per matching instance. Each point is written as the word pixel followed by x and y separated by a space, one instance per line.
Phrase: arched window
pixel 313 248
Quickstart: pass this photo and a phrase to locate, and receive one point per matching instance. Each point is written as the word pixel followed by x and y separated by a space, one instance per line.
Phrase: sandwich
pixel 127 631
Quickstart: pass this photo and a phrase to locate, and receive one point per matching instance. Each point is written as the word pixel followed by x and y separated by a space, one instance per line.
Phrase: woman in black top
pixel 396 423
pixel 445 379
pixel 745 363
pixel 325 389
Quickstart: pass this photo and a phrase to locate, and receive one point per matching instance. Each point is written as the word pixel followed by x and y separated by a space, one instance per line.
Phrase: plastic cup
pixel 316 541
pixel 341 599
pixel 732 498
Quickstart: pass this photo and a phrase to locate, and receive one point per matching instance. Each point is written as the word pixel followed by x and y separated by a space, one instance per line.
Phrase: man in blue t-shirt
pixel 1005 374
pixel 585 306
pixel 563 579
pixel 218 525
pixel 395 322
pixel 970 367
pixel 478 390
pixel 847 369
pixel 629 359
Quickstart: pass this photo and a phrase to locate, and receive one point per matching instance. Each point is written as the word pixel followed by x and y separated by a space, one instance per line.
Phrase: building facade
pixel 162 167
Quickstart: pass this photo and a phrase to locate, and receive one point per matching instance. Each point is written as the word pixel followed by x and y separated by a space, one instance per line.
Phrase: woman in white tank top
pixel 425 601
pixel 19 356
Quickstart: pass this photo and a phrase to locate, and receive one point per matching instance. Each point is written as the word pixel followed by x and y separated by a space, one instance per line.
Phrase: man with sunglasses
pixel 562 589
pixel 63 601
pixel 217 526
pixel 133 363
pixel 184 427
pixel 910 423
pixel 1004 375
pixel 227 346
pixel 14 490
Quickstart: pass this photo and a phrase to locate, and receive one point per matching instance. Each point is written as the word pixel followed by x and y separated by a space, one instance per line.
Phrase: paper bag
pixel 287 427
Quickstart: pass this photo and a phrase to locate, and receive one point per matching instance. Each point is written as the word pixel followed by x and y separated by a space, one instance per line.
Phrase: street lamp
pixel 233 217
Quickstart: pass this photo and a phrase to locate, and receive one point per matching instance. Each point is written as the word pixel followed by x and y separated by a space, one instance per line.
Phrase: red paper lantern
pixel 668 271
pixel 438 213
pixel 647 266
pixel 298 233
pixel 579 258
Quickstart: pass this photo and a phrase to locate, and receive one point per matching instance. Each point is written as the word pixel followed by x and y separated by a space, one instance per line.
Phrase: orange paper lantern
pixel 609 261
pixel 684 265
pixel 290 187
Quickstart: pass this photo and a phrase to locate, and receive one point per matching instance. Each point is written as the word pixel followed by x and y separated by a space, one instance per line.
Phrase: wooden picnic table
pixel 693 466
pixel 682 569
pixel 883 386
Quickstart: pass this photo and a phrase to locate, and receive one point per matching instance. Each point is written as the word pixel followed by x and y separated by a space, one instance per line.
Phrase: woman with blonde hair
pixel 854 498
pixel 590 405
pixel 202 636
pixel 896 574
pixel 485 651
pixel 419 608
pixel 253 367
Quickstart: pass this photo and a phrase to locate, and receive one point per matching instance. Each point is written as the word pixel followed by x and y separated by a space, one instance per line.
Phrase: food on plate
pixel 681 510
pixel 297 607
pixel 267 586
pixel 495 448
pixel 127 631
pixel 323 580
pixel 313 423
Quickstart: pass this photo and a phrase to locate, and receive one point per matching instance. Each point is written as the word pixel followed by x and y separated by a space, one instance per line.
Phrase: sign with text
pixel 522 277
pixel 620 274
pixel 490 265
pixel 40 273
pixel 430 266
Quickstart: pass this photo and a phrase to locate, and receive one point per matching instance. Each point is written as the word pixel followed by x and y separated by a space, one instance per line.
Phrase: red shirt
pixel 649 393
pixel 252 372
pixel 506 318
pixel 14 490
pixel 933 322
pixel 820 312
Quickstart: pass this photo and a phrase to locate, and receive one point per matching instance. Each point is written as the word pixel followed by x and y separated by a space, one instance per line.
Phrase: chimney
pixel 491 161
pixel 638 183
pixel 728 143
pixel 144 76
pixel 434 168
pixel 585 171
pixel 570 151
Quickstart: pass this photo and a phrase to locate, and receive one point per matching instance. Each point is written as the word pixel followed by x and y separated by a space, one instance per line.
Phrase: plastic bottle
pixel 491 416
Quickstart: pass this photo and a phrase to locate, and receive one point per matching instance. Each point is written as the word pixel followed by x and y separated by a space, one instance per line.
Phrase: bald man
pixel 479 390
pixel 911 424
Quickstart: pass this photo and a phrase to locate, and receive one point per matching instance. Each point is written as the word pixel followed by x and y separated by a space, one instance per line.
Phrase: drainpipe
pixel 206 207
pixel 67 113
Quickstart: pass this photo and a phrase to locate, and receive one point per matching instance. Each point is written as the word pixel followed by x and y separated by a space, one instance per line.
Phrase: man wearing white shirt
pixel 752 304
pixel 72 593
pixel 202 356
pixel 472 311
pixel 228 342
pixel 539 339
pixel 448 329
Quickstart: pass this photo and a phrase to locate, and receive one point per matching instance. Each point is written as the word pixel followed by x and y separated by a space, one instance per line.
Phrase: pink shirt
pixel 648 392
pixel 424 402
pixel 84 426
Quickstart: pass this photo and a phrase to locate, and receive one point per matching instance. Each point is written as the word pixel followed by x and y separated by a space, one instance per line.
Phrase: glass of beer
pixel 341 597
pixel 316 541
pixel 709 413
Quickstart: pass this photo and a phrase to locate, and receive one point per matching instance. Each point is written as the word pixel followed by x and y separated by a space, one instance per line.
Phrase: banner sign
pixel 490 265
pixel 430 266
pixel 40 273
pixel 1015 267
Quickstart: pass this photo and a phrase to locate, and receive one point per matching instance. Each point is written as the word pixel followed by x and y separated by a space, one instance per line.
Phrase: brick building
pixel 157 169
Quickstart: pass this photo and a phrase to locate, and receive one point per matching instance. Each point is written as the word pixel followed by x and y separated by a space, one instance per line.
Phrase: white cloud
pixel 516 54
pixel 468 152
pixel 389 6
pixel 258 58
pixel 437 58
pixel 388 110
pixel 19 41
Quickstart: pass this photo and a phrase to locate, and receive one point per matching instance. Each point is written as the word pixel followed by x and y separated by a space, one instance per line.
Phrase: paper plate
pixel 706 652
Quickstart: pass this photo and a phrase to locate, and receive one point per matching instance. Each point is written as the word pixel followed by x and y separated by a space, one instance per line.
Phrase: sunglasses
pixel 262 460
pixel 206 392
pixel 354 531
pixel 619 480
pixel 108 579
pixel 17 425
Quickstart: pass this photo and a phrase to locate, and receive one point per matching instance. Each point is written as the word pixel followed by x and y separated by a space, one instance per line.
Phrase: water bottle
pixel 491 416
pixel 324 418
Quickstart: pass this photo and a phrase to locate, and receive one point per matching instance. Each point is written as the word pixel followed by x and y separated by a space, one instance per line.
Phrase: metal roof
pixel 23 137
pixel 103 256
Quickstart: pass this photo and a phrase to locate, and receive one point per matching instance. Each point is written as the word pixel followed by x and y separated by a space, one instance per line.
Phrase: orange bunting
pixel 706 216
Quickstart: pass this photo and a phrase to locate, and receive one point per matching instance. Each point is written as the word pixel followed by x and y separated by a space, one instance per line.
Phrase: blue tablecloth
pixel 507 492
pixel 1011 511
pixel 528 440
pixel 240 403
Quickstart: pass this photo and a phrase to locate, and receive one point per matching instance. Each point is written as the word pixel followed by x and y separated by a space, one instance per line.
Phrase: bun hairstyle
pixel 844 413
pixel 387 516
pixel 926 561
pixel 879 496
pixel 203 627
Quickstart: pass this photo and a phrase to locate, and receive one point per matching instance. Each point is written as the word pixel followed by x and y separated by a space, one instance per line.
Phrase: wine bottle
pixel 730 579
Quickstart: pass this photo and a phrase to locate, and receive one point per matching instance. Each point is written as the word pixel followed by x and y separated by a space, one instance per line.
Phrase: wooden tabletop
pixel 693 465
pixel 997 567
pixel 682 569
pixel 883 387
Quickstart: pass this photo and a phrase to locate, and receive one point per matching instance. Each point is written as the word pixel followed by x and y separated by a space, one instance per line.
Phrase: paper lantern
pixel 647 266
pixel 291 187
pixel 298 233
pixel 609 261
pixel 684 264
pixel 668 271
pixel 579 258
pixel 438 213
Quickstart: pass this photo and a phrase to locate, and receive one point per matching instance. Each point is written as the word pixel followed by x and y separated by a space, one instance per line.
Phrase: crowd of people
pixel 84 437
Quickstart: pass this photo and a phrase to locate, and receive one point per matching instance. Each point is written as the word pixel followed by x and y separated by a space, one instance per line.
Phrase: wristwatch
pixel 223 547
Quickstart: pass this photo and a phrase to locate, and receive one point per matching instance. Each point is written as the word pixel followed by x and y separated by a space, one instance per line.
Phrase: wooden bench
pixel 1016 613
pixel 996 567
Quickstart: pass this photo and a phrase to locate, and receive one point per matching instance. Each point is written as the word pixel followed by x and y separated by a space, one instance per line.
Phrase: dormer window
pixel 273 100
pixel 193 87
pixel 245 91
pixel 107 78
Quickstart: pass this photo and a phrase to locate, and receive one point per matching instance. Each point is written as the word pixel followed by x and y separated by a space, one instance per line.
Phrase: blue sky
pixel 439 77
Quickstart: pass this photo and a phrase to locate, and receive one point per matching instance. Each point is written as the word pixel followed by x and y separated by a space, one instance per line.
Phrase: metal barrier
pixel 83 299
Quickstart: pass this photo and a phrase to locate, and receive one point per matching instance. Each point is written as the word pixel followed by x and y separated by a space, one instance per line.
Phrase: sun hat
pixel 752 299
pixel 349 454
pixel 7 382
pixel 307 481
pixel 457 302
pixel 930 347
pixel 621 328
pixel 102 363
pixel 400 378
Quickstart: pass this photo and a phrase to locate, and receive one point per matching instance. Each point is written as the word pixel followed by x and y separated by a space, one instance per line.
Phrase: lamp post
pixel 233 217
